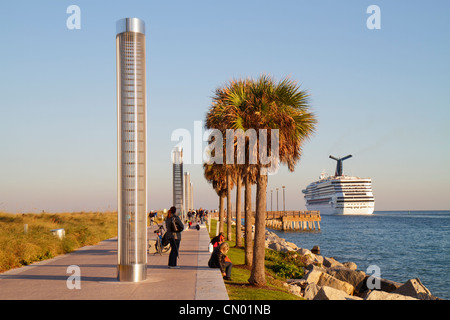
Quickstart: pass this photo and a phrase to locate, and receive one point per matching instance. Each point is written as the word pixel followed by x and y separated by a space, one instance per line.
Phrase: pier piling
pixel 293 220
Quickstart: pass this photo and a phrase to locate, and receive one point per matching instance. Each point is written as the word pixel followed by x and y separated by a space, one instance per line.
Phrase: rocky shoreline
pixel 328 279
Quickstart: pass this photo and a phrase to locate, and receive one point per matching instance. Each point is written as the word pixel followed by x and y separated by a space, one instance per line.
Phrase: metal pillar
pixel 177 160
pixel 131 150
pixel 191 193
pixel 187 191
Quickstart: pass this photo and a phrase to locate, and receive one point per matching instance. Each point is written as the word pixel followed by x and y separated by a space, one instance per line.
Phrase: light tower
pixel 131 150
pixel 177 160
pixel 187 191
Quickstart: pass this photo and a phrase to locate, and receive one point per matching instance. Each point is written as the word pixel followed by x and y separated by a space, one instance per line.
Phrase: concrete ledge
pixel 209 285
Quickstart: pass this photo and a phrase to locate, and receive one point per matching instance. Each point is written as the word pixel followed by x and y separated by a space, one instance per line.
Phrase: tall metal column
pixel 131 150
pixel 187 189
pixel 191 194
pixel 177 159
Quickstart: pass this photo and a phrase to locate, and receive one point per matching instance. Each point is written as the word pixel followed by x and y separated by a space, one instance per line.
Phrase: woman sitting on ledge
pixel 220 260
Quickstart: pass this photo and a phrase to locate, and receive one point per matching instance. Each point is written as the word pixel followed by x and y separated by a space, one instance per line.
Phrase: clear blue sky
pixel 381 95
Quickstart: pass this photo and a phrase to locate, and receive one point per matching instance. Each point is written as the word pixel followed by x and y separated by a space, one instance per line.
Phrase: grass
pixel 18 248
pixel 279 266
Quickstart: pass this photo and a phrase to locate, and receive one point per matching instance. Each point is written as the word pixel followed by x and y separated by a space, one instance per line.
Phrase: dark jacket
pixel 169 228
pixel 217 260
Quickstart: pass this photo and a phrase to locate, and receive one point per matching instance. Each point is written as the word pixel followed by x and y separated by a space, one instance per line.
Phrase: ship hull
pixel 326 210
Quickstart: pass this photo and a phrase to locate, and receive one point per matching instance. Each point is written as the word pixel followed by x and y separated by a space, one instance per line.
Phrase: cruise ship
pixel 340 194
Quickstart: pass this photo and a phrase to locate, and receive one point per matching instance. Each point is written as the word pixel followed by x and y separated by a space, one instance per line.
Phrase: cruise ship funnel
pixel 339 168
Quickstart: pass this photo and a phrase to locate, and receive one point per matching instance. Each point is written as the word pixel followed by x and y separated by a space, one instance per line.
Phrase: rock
pixel 313 276
pixel 315 250
pixel 276 246
pixel 328 293
pixel 311 291
pixel 414 288
pixel 291 245
pixel 383 295
pixel 293 289
pixel 324 279
pixel 302 283
pixel 385 285
pixel 330 281
pixel 331 262
pixel 318 259
pixel 350 265
pixel 354 277
pixel 313 267
pixel 303 252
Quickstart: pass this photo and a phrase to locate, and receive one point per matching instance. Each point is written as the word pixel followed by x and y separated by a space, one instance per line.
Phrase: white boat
pixel 340 194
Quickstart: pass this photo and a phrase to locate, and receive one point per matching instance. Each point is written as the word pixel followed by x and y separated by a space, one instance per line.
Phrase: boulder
pixel 414 288
pixel 302 283
pixel 313 276
pixel 296 290
pixel 383 295
pixel 311 291
pixel 328 293
pixel 303 251
pixel 323 279
pixel 350 265
pixel 385 285
pixel 330 281
pixel 318 259
pixel 291 245
pixel 311 267
pixel 276 246
pixel 315 250
pixel 354 277
pixel 331 262
pixel 310 257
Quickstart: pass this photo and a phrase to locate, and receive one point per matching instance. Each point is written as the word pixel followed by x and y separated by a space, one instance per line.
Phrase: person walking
pixel 174 227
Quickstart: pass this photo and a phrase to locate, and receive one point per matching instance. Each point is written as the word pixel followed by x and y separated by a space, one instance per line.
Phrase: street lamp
pixel 277 199
pixel 284 199
pixel 271 198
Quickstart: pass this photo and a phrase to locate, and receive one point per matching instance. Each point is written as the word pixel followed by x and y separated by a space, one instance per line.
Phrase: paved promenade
pixel 47 280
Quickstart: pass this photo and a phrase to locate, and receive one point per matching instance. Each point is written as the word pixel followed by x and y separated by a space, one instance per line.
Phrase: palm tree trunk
pixel 258 277
pixel 248 222
pixel 238 211
pixel 221 212
pixel 229 216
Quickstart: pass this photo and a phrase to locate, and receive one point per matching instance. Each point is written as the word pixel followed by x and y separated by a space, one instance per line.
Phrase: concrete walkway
pixel 47 280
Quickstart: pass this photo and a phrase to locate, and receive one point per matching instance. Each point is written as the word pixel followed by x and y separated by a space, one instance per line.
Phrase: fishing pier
pixel 293 220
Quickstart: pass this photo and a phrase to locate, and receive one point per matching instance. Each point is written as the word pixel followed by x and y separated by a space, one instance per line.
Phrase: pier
pixel 293 220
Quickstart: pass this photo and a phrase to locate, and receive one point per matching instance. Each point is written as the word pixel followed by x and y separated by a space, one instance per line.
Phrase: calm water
pixel 403 244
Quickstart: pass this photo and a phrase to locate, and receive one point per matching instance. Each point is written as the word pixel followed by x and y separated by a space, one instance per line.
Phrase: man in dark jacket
pixel 174 227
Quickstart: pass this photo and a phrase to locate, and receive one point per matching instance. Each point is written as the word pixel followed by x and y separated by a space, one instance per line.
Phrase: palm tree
pixel 215 174
pixel 249 175
pixel 265 104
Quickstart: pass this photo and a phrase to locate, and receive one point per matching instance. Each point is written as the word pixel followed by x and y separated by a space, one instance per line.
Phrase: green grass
pixel 83 228
pixel 279 266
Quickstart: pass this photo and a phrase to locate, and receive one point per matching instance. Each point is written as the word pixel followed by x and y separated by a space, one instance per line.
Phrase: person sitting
pixel 217 240
pixel 219 259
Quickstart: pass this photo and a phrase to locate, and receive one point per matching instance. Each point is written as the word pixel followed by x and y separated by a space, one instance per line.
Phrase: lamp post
pixel 131 151
pixel 271 198
pixel 277 199
pixel 284 199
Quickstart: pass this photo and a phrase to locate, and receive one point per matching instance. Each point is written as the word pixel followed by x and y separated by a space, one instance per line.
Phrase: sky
pixel 379 94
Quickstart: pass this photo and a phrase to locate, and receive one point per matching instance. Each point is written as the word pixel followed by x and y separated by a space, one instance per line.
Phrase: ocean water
pixel 403 244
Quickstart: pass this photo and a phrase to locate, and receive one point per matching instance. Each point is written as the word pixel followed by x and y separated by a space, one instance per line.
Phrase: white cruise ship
pixel 340 194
